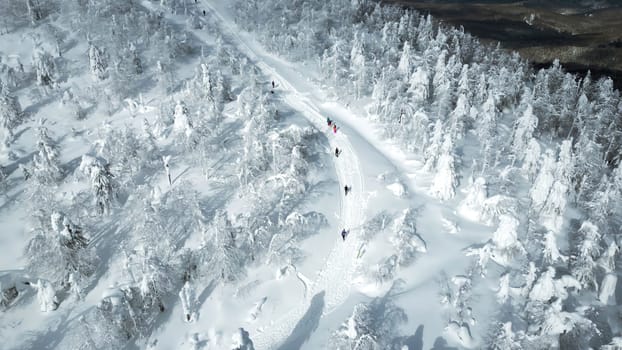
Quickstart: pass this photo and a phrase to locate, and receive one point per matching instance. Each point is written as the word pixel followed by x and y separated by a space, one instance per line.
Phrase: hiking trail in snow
pixel 335 277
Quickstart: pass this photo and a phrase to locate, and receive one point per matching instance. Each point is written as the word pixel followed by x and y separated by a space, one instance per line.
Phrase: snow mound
pixel 397 189
pixel 450 226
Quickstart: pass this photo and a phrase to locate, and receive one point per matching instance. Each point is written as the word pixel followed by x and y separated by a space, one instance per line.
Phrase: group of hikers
pixel 331 124
pixel 347 189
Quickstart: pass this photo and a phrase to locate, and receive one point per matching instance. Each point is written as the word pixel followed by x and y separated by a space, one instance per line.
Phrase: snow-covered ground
pixel 225 228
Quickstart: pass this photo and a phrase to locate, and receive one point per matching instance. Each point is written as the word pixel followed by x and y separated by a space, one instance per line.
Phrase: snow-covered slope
pixel 183 191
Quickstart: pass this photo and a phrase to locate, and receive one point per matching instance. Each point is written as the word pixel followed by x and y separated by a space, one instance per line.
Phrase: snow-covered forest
pixel 168 180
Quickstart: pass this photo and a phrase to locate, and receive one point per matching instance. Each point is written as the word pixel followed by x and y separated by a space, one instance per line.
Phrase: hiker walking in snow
pixel 344 233
pixel 334 128
pixel 273 86
pixel 347 189
pixel 328 121
pixel 337 152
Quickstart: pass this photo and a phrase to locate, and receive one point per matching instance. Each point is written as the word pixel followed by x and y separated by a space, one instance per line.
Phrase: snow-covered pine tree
pixel 188 301
pixel 59 251
pixel 102 183
pixel 407 241
pixel 10 114
pixel 504 338
pixel 334 62
pixel 43 65
pixel 46 167
pixel 460 118
pixel 420 85
pixel 97 62
pixel 34 10
pixel 551 254
pixel 585 253
pixel 590 166
pixel 103 187
pixel 359 67
pixel 371 326
pixel 181 122
pixel 222 254
pixel 46 295
pixel 405 65
pixel 222 92
pixel 446 180
pixel 434 147
pixel 505 239
pixel 524 129
pixel 486 129
pixel 543 183
pixel 242 341
pixel 531 161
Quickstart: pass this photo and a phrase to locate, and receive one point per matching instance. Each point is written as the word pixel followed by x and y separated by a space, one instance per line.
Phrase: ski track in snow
pixel 335 278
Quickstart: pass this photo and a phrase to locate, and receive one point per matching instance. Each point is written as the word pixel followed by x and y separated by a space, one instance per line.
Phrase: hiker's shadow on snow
pixel 307 324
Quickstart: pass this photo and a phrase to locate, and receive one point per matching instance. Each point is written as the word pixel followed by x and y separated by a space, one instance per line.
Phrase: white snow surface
pixel 301 304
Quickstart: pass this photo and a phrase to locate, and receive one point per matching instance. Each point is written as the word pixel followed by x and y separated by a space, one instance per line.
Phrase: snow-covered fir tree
pixel 43 66
pixel 10 114
pixel 586 251
pixel 445 181
pixel 46 167
pixel 97 62
pixel 102 181
pixel 59 250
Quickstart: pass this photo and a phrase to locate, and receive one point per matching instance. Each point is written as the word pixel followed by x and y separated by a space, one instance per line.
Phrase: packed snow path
pixel 334 279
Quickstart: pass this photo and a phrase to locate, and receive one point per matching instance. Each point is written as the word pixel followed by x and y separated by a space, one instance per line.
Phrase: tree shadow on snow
pixel 441 344
pixel 307 324
pixel 414 342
